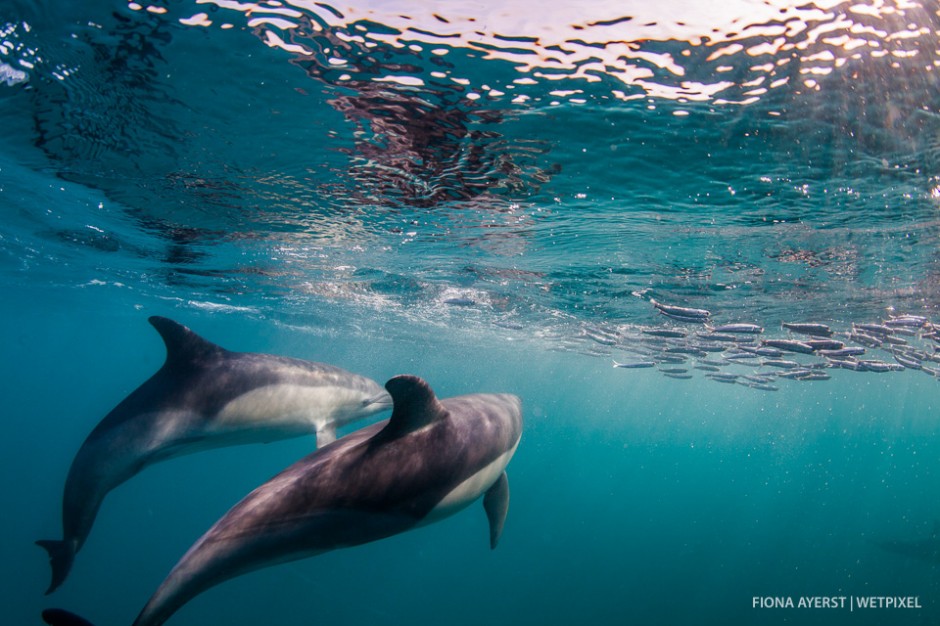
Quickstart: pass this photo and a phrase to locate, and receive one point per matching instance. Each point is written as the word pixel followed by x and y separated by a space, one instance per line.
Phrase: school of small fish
pixel 744 354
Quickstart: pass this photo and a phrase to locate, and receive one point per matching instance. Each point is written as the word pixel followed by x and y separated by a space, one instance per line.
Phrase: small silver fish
pixel 790 345
pixel 724 376
pixel 635 364
pixel 815 376
pixel 748 329
pixel 709 347
pixel 894 341
pixel 685 350
pixel 723 337
pixel 706 368
pixel 755 378
pixel 879 366
pixel 779 363
pixel 909 363
pixel 825 344
pixel 933 371
pixel 853 365
pixel 772 353
pixel 684 318
pixel 673 333
pixel 761 386
pixel 873 329
pixel 842 352
pixel 865 339
pixel 672 358
pixel 794 374
pixel 712 363
pixel 909 321
pixel 681 311
pixel 600 336
pixel 808 328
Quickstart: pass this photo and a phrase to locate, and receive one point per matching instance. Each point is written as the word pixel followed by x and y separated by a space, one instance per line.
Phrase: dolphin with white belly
pixel 203 396
pixel 429 460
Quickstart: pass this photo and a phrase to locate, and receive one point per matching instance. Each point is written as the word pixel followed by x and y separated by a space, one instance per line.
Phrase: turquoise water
pixel 493 197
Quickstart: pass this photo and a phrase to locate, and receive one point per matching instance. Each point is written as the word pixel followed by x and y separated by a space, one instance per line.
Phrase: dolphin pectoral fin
pixel 326 434
pixel 496 505
pixel 61 617
pixel 61 556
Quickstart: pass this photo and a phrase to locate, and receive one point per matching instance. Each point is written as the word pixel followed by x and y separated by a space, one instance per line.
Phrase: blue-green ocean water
pixel 491 196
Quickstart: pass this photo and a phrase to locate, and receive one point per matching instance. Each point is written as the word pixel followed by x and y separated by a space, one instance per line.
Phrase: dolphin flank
pixel 431 459
pixel 203 396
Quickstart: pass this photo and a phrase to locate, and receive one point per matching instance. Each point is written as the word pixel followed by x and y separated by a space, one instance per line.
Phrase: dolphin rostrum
pixel 429 460
pixel 203 397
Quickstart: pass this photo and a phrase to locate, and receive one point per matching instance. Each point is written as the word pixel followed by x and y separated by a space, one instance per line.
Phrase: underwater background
pixel 498 197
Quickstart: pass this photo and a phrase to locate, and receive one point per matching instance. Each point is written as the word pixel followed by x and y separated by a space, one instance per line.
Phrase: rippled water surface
pixel 498 196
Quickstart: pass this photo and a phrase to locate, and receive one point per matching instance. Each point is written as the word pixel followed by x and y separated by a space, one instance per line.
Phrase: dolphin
pixel 203 396
pixel 927 549
pixel 429 460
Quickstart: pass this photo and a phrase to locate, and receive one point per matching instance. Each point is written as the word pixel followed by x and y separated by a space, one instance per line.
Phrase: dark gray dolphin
pixel 203 397
pixel 927 549
pixel 429 460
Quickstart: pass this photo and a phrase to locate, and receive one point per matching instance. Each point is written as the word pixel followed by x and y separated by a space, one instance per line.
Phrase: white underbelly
pixel 470 489
pixel 286 407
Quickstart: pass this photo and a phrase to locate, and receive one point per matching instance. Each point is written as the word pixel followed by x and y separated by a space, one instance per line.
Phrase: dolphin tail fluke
pixel 496 505
pixel 61 556
pixel 61 617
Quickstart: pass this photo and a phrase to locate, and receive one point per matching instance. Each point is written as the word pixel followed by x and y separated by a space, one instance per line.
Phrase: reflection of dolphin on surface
pixel 921 549
pixel 429 460
pixel 203 397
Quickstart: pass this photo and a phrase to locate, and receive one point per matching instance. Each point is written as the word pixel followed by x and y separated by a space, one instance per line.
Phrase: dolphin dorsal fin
pixel 183 346
pixel 414 406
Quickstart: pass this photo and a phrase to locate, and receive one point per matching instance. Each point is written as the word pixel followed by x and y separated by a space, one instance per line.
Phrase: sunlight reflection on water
pixel 735 51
